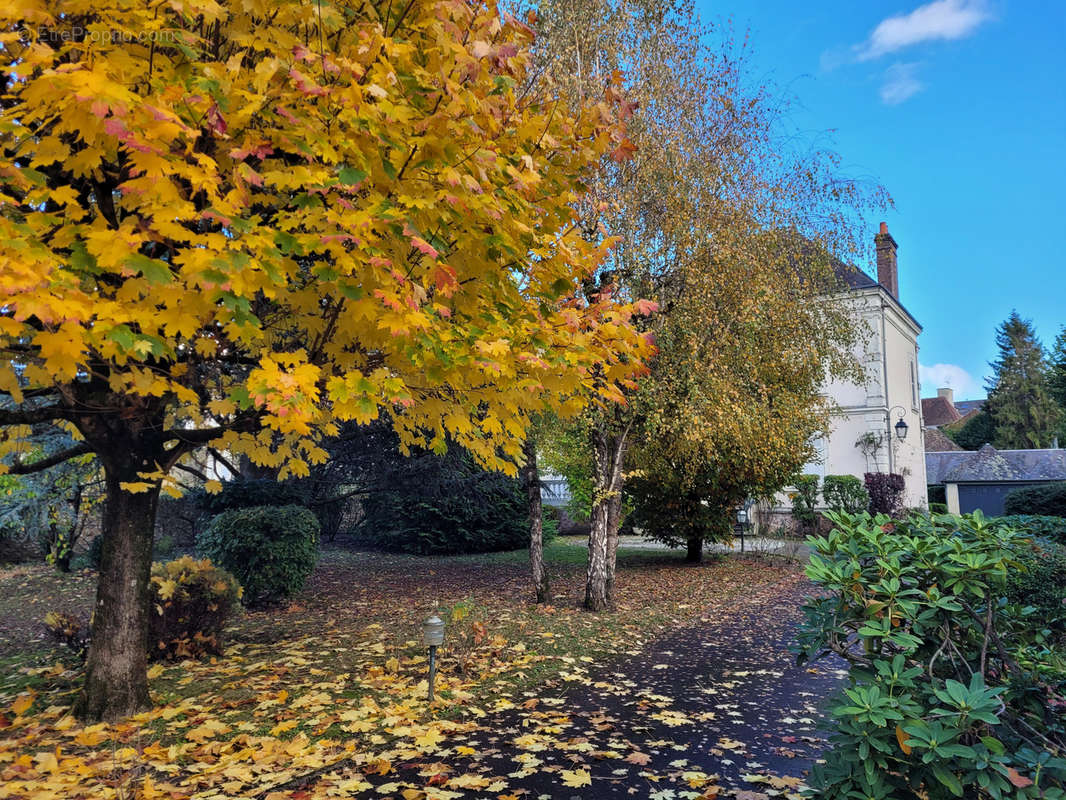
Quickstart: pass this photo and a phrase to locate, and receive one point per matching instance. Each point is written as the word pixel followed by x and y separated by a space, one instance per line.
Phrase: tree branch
pixel 192 471
pixel 50 461
pixel 31 416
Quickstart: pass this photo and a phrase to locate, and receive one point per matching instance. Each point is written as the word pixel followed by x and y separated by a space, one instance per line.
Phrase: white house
pixel 864 433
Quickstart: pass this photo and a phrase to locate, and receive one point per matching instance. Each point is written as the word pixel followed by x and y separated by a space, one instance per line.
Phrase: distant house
pixel 863 426
pixel 982 479
pixel 940 410
pixel 936 441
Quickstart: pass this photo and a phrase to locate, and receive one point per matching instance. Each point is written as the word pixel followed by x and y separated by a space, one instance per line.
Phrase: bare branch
pixel 50 461
pixel 192 471
pixel 31 416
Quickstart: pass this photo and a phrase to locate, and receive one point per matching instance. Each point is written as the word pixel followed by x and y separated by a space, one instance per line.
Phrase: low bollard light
pixel 432 637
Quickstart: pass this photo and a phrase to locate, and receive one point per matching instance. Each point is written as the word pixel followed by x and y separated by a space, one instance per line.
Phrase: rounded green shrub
pixel 1039 580
pixel 1047 500
pixel 251 493
pixel 845 493
pixel 190 603
pixel 270 549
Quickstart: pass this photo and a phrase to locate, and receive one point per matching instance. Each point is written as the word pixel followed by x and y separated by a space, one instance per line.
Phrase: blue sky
pixel 958 108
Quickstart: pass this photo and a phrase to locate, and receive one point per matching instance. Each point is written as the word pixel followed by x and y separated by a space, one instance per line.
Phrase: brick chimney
pixel 947 393
pixel 887 274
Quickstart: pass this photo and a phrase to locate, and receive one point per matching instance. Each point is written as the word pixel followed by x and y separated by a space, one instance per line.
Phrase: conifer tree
pixel 1057 379
pixel 1023 411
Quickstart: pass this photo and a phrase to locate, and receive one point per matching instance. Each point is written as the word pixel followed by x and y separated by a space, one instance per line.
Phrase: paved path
pixel 720 704
pixel 791 549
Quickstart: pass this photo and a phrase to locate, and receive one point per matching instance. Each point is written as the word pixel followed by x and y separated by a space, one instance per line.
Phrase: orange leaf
pixel 1018 779
pixel 901 737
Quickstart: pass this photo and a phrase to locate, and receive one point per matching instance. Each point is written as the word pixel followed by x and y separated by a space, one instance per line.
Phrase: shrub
pixel 1053 528
pixel 191 601
pixel 886 492
pixel 804 499
pixel 68 630
pixel 1039 581
pixel 945 697
pixel 95 551
pixel 549 527
pixel 678 515
pixel 845 493
pixel 937 494
pixel 1049 501
pixel 251 493
pixel 447 504
pixel 271 550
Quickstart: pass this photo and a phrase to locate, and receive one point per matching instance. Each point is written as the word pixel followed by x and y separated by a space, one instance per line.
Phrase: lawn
pixel 338 673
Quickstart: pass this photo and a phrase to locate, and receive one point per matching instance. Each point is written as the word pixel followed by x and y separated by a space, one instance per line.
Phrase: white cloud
pixel 901 83
pixel 941 19
pixel 951 376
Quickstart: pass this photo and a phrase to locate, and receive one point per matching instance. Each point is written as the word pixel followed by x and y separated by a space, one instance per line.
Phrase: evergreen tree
pixel 1057 379
pixel 1023 411
pixel 971 434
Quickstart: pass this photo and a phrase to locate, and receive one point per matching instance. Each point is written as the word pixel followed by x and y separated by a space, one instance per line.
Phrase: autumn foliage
pixel 191 602
pixel 237 224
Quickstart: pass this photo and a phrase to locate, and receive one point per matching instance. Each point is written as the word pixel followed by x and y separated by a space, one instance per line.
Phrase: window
pixel 816 466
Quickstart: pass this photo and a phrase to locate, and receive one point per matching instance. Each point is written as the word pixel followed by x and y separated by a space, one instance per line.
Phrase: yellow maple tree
pixel 239 224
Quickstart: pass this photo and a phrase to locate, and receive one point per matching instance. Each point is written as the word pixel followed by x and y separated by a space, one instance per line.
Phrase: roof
pixel 989 465
pixel 852 276
pixel 965 407
pixel 937 411
pixel 937 442
pixel 856 280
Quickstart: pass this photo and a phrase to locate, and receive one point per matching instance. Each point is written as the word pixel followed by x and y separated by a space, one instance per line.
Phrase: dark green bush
pixel 845 493
pixel 937 494
pixel 441 504
pixel 250 493
pixel 271 550
pixel 804 499
pixel 95 551
pixel 1048 501
pixel 953 691
pixel 1040 581
pixel 191 602
pixel 442 525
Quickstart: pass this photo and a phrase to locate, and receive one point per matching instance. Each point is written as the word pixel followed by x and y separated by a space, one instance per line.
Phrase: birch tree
pixel 730 224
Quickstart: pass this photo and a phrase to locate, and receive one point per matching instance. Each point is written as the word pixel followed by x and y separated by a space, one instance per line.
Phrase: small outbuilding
pixel 982 479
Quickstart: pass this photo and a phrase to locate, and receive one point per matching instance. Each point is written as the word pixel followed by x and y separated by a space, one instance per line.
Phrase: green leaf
pixel 153 270
pixel 350 175
pixel 948 779
pixel 994 745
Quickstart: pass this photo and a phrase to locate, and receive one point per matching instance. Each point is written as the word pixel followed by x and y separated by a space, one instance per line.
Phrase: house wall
pixel 890 358
pixel 951 494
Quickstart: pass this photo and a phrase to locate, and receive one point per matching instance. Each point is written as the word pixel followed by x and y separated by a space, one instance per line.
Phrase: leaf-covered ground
pixel 326 697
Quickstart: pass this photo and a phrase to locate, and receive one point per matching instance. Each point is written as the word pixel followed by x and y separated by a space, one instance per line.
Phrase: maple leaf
pixel 23 703
pixel 576 778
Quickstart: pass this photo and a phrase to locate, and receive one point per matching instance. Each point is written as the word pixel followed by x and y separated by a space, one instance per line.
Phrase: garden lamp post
pixel 742 521
pixel 432 637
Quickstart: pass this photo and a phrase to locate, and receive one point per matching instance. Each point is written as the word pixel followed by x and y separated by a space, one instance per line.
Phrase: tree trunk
pixel 116 680
pixel 608 452
pixel 694 554
pixel 531 477
pixel 614 521
pixel 596 580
